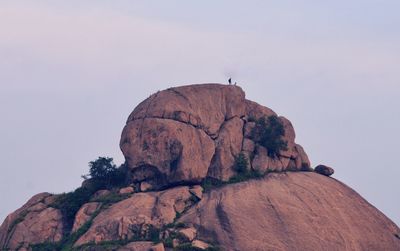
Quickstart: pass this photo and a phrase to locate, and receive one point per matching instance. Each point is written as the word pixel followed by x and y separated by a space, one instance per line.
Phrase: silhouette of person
pixel 230 81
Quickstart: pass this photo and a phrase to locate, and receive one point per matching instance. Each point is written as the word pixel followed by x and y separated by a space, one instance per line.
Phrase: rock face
pixel 84 214
pixel 291 211
pixel 177 139
pixel 133 217
pixel 185 134
pixel 35 222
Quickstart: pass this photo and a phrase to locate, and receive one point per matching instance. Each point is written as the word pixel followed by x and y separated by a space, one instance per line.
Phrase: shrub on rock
pixel 269 132
pixel 241 163
pixel 104 173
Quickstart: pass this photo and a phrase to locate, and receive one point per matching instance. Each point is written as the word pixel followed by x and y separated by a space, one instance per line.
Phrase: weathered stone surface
pixel 137 246
pixel 188 233
pixel 289 137
pixel 291 211
pixel 126 190
pixel 145 186
pixel 136 213
pixel 256 111
pixel 228 146
pixel 197 191
pixel 34 222
pixel 263 163
pixel 84 214
pixel 200 244
pixel 248 145
pixel 324 170
pixel 205 106
pixel 168 150
pixel 301 158
pixel 248 129
pixel 142 246
pixel 261 160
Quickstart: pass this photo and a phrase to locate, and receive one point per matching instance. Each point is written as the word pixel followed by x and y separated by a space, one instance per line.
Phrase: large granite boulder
pixel 291 211
pixel 184 134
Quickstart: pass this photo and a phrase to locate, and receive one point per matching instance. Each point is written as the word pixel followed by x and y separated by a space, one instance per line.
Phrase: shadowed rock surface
pixel 175 142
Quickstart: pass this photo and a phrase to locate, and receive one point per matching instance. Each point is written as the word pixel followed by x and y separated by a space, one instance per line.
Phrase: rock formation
pixel 184 191
pixel 291 211
pixel 324 170
pixel 185 134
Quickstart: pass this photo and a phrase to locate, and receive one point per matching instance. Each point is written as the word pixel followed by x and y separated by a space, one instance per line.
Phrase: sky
pixel 72 71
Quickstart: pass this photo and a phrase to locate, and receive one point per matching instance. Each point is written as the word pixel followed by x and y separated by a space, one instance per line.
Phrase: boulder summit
pixel 205 169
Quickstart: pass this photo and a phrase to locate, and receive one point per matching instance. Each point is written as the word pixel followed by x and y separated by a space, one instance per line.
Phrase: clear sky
pixel 72 71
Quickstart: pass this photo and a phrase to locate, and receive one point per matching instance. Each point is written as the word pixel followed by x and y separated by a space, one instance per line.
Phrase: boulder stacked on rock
pixel 181 145
pixel 324 170
pixel 185 134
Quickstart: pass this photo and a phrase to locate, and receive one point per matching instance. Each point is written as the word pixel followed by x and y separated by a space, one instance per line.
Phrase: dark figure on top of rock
pixel 230 81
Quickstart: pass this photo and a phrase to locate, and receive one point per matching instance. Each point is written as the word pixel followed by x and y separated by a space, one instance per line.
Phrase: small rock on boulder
pixel 324 170
pixel 188 233
pixel 200 244
pixel 126 190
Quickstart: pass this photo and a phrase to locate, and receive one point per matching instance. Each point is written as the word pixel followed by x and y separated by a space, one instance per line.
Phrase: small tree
pixel 104 173
pixel 241 163
pixel 269 133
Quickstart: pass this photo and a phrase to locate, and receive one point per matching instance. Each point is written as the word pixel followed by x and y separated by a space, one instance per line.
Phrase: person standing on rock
pixel 230 81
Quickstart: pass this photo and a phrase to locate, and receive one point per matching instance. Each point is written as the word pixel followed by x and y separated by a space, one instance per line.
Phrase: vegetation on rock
pixel 269 133
pixel 104 174
pixel 241 163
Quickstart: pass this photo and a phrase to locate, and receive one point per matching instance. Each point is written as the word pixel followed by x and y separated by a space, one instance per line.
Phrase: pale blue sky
pixel 72 71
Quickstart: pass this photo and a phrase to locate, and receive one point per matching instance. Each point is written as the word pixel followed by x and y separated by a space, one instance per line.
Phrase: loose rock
pixel 324 170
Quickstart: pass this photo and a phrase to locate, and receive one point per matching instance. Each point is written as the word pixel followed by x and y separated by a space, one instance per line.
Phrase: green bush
pixel 241 163
pixel 46 246
pixel 269 133
pixel 210 183
pixel 70 203
pixel 105 174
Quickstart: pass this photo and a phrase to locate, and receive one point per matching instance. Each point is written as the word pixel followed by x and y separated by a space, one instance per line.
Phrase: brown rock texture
pixel 84 214
pixel 35 222
pixel 137 246
pixel 291 211
pixel 133 216
pixel 185 134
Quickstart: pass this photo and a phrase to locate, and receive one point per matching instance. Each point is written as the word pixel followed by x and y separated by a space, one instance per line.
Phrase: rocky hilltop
pixel 206 169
